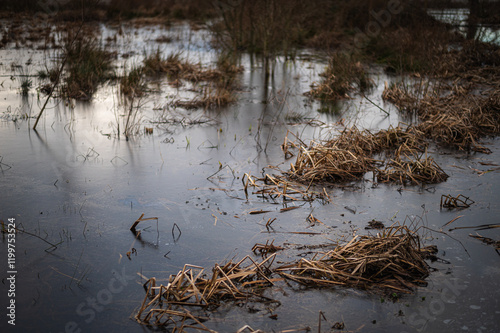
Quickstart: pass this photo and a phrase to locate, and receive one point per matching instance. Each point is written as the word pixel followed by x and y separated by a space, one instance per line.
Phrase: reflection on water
pixel 76 184
pixel 465 23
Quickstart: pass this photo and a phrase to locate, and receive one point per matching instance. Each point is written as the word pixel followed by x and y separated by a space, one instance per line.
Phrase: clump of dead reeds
pixel 411 168
pixel 219 82
pixel 132 84
pixel 173 65
pixel 191 288
pixel 323 163
pixel 350 155
pixel 393 259
pixel 278 187
pixel 211 97
pixel 456 117
pixel 342 75
pixel 87 66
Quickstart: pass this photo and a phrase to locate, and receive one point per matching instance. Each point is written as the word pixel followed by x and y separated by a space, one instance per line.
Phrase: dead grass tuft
pixel 392 259
pixel 167 305
pixel 456 116
pixel 411 168
pixel 343 75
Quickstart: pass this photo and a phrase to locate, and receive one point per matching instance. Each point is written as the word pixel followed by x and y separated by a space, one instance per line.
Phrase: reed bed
pixel 393 259
pixel 457 117
pixel 168 305
pixel 349 156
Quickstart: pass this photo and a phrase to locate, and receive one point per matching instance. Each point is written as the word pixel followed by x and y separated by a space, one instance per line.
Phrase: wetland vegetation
pixel 229 123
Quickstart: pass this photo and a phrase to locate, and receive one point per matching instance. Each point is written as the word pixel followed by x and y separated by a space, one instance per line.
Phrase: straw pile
pixel 322 163
pixel 167 305
pixel 393 259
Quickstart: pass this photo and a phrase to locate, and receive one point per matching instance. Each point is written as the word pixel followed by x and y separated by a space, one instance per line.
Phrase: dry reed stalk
pixel 274 187
pixel 488 241
pixel 392 259
pixel 460 201
pixel 265 249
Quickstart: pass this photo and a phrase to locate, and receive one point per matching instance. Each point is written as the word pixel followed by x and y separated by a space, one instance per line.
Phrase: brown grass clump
pixel 87 66
pixel 211 98
pixel 457 117
pixel 411 169
pixel 347 157
pixel 173 66
pixel 277 187
pixel 220 81
pixel 323 163
pixel 343 75
pixel 393 259
pixel 350 155
pixel 132 84
pixel 167 305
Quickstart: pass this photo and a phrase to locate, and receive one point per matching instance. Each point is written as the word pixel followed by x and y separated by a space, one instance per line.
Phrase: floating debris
pixel 488 241
pixel 375 225
pixel 460 201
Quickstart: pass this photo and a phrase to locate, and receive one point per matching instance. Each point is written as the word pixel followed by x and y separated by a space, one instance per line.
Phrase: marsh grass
pixel 343 75
pixel 394 259
pixel 453 116
pixel 88 65
pixel 133 84
pixel 174 66
pixel 24 77
pixel 48 74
